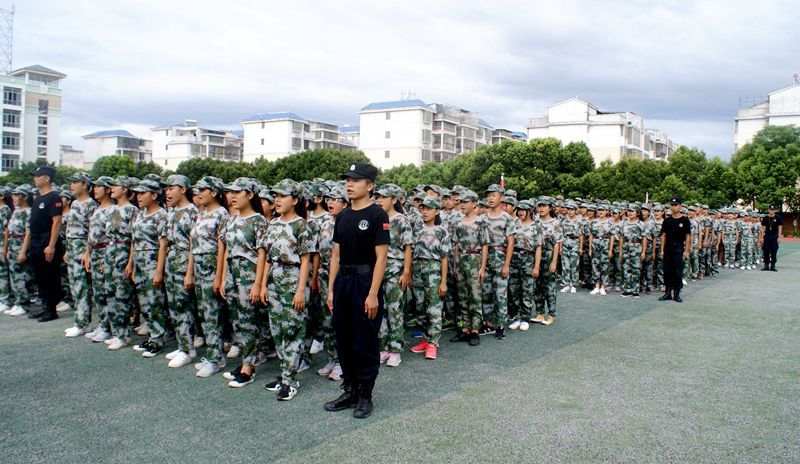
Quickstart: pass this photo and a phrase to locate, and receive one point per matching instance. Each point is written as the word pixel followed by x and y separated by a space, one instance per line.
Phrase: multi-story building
pixel 349 135
pixel 609 135
pixel 658 145
pixel 31 116
pixel 275 135
pixel 117 142
pixel 779 108
pixel 70 157
pixel 179 142
pixel 394 133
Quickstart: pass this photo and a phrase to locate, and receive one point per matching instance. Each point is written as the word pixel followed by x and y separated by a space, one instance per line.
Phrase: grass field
pixel 715 379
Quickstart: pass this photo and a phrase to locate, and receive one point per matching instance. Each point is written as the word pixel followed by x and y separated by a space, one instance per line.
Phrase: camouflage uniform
pixel 585 261
pixel 325 250
pixel 522 284
pixel 286 243
pixel 616 264
pixel 431 246
pixel 572 230
pixel 470 237
pixel 748 241
pixel 147 230
pixel 21 274
pixel 391 333
pixel 181 303
pixel 98 243
pixel 451 301
pixel 120 289
pixel 546 290
pixel 495 286
pixel 692 268
pixel 5 283
pixel 706 227
pixel 205 236
pixel 658 265
pixel 602 231
pixel 77 233
pixel 313 316
pixel 730 229
pixel 646 279
pixel 633 233
pixel 717 226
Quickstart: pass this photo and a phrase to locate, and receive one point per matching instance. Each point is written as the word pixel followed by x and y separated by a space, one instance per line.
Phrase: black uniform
pixel 675 231
pixel 47 274
pixel 770 245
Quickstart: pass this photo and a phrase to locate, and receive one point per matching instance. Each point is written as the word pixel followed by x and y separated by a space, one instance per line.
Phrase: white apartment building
pixel 115 142
pixel 394 133
pixel 779 108
pixel 31 116
pixel 609 135
pixel 72 157
pixel 658 145
pixel 275 135
pixel 350 135
pixel 179 142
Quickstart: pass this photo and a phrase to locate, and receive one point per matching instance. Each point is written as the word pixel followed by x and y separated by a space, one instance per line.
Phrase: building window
pixel 262 141
pixel 43 106
pixel 166 147
pixel 262 125
pixel 388 134
pixel 42 120
pixel 388 115
pixel 386 154
pixel 10 162
pixel 10 141
pixel 12 96
pixel 11 118
pixel 165 162
pixel 42 141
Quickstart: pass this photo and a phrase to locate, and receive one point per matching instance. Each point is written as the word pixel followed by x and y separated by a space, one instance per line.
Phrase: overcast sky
pixel 136 65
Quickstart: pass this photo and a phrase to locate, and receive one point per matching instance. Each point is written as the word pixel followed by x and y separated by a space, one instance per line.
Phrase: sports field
pixel 715 379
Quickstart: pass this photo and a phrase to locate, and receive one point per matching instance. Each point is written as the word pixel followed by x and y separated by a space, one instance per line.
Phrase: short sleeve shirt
pixel 77 219
pixel 207 230
pixel 358 232
pixel 500 228
pixel 43 210
pixel 148 229
pixel 432 243
pixel 243 236
pixel 287 242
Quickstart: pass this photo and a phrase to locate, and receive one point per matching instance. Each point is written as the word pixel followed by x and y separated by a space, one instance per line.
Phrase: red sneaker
pixel 423 345
pixel 430 352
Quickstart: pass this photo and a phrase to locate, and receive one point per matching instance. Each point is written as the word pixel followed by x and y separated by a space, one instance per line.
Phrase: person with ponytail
pixel 546 290
pixel 19 269
pixel 77 233
pixel 119 234
pixel 94 260
pixel 5 283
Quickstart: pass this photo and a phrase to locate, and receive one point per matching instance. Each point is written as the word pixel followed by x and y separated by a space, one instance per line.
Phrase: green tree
pixel 114 166
pixel 767 170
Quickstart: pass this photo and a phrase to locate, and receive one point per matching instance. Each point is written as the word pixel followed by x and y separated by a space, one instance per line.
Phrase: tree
pixel 767 170
pixel 114 166
pixel 23 174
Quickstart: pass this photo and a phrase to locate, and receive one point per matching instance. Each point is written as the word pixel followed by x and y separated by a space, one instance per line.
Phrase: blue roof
pixel 238 133
pixel 268 116
pixel 522 135
pixel 111 133
pixel 483 122
pixel 346 129
pixel 393 104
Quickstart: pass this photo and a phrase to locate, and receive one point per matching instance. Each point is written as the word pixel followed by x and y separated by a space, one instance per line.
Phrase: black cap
pixel 675 201
pixel 45 171
pixel 773 208
pixel 361 171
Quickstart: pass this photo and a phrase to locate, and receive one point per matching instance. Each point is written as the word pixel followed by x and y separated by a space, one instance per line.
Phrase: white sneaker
pixel 101 336
pixel 394 360
pixel 199 342
pixel 181 359
pixel 143 330
pixel 108 342
pixel 92 333
pixel 595 291
pixel 73 332
pixel 209 368
pixel 171 355
pixel 234 352
pixel 199 365
pixel 117 343
pixel 316 347
pixel 4 307
pixel 17 311
pixel 304 365
pixel 573 290
pixel 565 289
pixel 685 282
pixel 384 357
pixel 63 306
pixel 514 325
pixel 336 373
pixel 327 368
pixel 524 326
pixel 603 291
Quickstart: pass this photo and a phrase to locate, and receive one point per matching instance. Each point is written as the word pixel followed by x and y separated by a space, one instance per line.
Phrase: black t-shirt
pixel 676 230
pixel 44 208
pixel 358 232
pixel 771 225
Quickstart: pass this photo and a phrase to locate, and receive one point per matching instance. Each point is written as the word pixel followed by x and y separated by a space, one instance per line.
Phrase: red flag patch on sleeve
pixel 58 204
pixel 385 226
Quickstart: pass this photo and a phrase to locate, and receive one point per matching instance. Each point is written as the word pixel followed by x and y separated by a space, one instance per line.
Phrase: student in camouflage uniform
pixel 94 260
pixel 716 255
pixel 730 237
pixel 692 268
pixel 649 225
pixel 572 228
pixel 707 239
pixel 431 248
pixel 284 285
pixel 615 269
pixel 20 271
pixel 632 251
pixel 180 220
pixel 587 213
pixel 66 294
pixel 397 276
pixel 747 239
pixel 601 245
pixel 5 282
pixel 77 233
pixel 528 246
pixel 658 263
pixel 502 230
pixel 552 238
pixel 118 251
pixel 204 242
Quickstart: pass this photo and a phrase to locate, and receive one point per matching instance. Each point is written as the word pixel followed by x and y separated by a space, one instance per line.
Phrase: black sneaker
pixel 231 375
pixel 500 333
pixel 47 317
pixel 274 386
pixel 474 339
pixel 142 346
pixel 636 295
pixel 286 393
pixel 626 294
pixel 460 337
pixel 242 380
pixel 485 330
pixel 152 350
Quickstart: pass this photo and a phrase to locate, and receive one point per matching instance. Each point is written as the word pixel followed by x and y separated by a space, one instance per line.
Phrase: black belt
pixel 282 264
pixel 100 246
pixel 471 252
pixel 16 236
pixel 354 269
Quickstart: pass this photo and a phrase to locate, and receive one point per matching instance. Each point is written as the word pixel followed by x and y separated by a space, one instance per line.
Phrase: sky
pixel 136 65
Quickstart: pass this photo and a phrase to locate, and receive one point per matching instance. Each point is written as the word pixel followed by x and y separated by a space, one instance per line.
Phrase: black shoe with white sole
pixel 242 380
pixel 142 346
pixel 153 350
pixel 286 393
pixel 231 375
pixel 274 386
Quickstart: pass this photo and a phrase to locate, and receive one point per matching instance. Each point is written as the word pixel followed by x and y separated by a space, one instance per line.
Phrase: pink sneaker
pixel 430 352
pixel 423 345
pixel 394 360
pixel 384 356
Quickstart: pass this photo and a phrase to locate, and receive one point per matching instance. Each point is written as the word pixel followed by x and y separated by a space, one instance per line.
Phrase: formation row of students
pixel 242 267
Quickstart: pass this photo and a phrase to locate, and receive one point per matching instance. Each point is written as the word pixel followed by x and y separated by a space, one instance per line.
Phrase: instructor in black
pixel 43 244
pixel 770 237
pixel 676 238
pixel 360 246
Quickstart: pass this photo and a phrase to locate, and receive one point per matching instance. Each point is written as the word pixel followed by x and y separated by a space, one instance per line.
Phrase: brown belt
pixel 472 252
pixel 498 248
pixel 100 246
pixel 282 264
pixel 120 243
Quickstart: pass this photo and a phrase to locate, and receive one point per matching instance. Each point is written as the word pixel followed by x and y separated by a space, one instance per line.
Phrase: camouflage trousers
pixel 705 261
pixel 748 252
pixel 66 293
pixel 79 282
pixel 20 276
pixel 692 268
pixel 427 278
pixel 328 334
pixel 209 304
pixel 97 259
pixel 451 297
pixel 658 268
pixel 521 286
pixel 646 279
pixel 631 267
pixel 152 301
pixel 601 265
pixel 314 320
pixel 714 258
pixel 495 290
pixel 730 251
pixel 5 283
pixel 569 262
pixel 120 290
pixel 179 299
pixel 287 325
pixel 391 332
pixel 469 291
pixel 544 296
pixel 239 280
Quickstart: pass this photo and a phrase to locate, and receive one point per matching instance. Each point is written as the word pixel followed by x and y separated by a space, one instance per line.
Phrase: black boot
pixel 347 400
pixel 772 268
pixel 677 297
pixel 666 296
pixel 364 407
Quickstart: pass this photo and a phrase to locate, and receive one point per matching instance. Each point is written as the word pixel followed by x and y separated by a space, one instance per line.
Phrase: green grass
pixel 715 379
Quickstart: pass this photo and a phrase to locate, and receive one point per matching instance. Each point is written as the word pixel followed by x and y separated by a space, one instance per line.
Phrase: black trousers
pixel 46 274
pixel 673 267
pixel 357 341
pixel 770 249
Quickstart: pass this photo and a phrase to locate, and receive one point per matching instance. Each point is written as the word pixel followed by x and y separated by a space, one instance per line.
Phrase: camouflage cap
pixel 602 206
pixel 419 196
pixel 387 190
pixel 286 187
pixel 23 189
pixel 545 200
pixel 210 183
pixel 430 202
pixel 647 206
pixel 633 207
pixel 317 189
pixel 125 181
pixel 67 194
pixel 494 188
pixel 469 195
pixel 692 208
pixel 525 205
pixel 178 180
pixel 684 210
pixel 104 181
pixel 658 207
pixel 420 188
pixel 511 193
pixel 569 204
pixel 243 183
pixel 483 203
pixel 713 211
pixel 593 207
pixel 337 193
pixel 510 201
pixel 154 177
pixel 147 185
pixel 80 176
pixel 263 193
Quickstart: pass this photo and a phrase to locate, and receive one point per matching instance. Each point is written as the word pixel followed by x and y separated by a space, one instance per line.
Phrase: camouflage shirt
pixel 77 219
pixel 551 234
pixel 432 243
pixel 179 226
pixel 243 236
pixel 529 236
pixel 400 235
pixel 207 230
pixel 148 229
pixel 18 224
pixel 287 242
pixel 97 226
pixel 602 230
pixel 572 229
pixel 5 216
pixel 119 227
pixel 325 240
pixel 633 231
pixel 471 236
pixel 500 228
